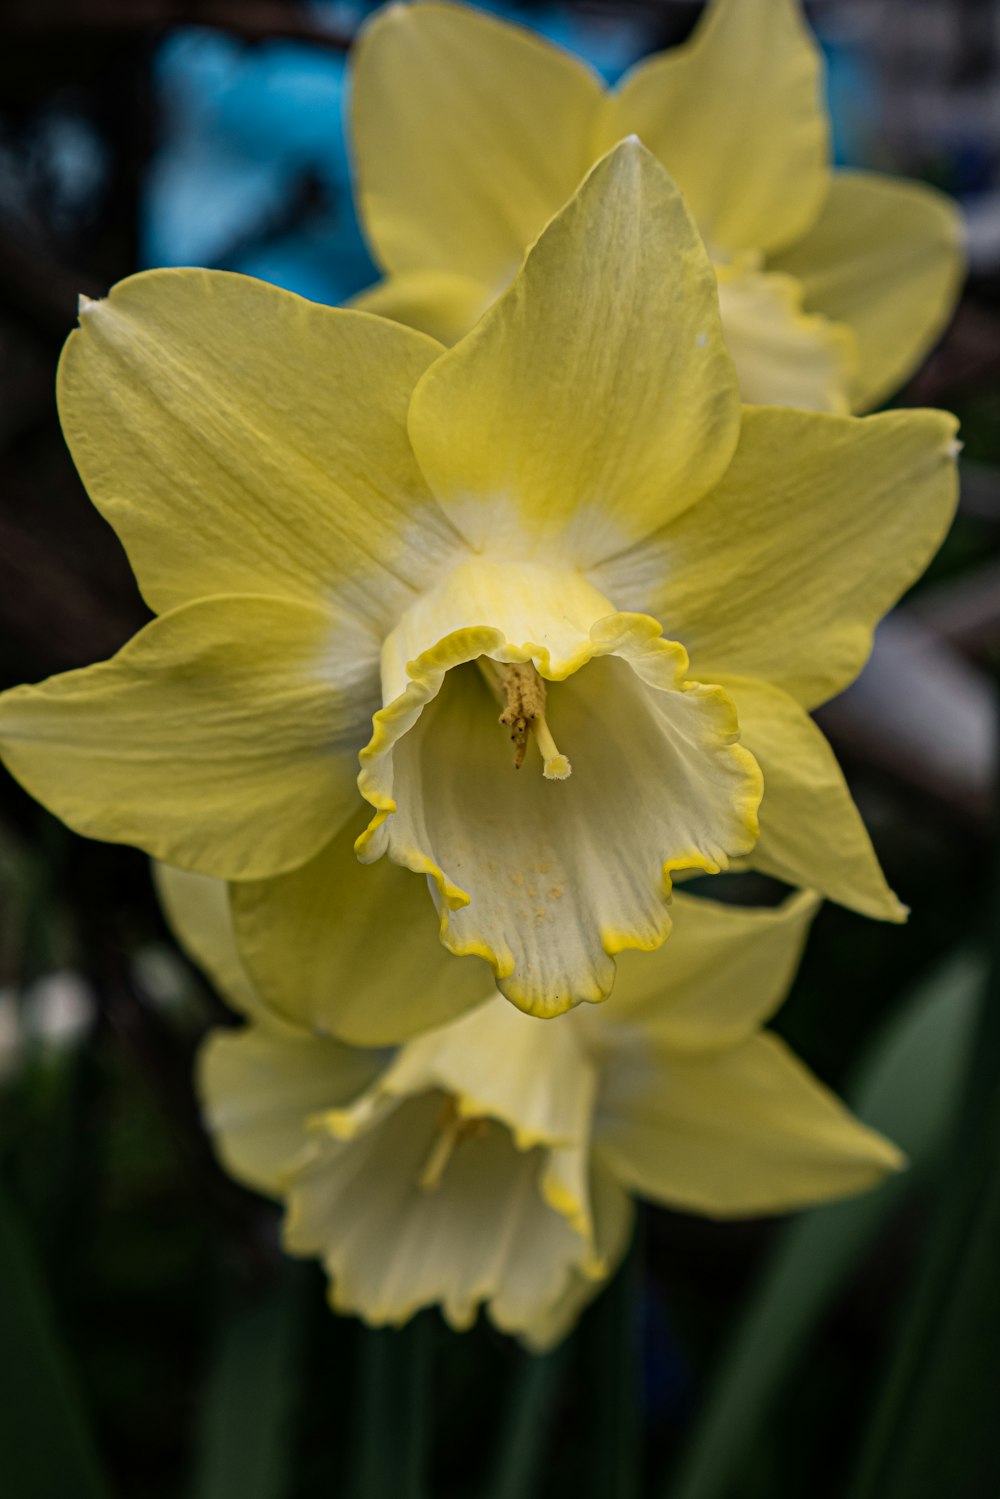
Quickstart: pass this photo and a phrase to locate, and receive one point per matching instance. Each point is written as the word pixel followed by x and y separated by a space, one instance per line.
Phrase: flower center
pixel 452 1130
pixel 521 693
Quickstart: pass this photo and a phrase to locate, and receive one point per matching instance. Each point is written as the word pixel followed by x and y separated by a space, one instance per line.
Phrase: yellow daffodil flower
pixel 493 1160
pixel 470 133
pixel 351 534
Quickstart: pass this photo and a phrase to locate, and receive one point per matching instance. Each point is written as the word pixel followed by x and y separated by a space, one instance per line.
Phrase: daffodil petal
pixel 529 1297
pixel 811 832
pixel 548 879
pixel 724 973
pixel 483 1234
pixel 818 527
pixel 596 399
pixel 469 133
pixel 350 950
pixel 243 440
pixel 613 1215
pixel 746 1132
pixel 886 258
pixel 784 356
pixel 737 117
pixel 221 738
pixel 196 907
pixel 257 1089
pixel 442 304
pixel 543 1092
pixel 519 610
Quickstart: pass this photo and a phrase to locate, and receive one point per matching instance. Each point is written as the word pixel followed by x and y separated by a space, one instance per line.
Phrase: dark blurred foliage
pixel 166 1285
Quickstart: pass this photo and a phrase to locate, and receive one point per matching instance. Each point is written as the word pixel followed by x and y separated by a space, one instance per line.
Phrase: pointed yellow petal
pixel 257 1090
pixel 783 356
pixel 223 737
pixel 243 440
pixel 885 257
pixel 783 571
pixel 597 393
pixel 531 1074
pixel 723 974
pixel 737 118
pixel 351 950
pixel 749 1131
pixel 469 134
pixel 810 830
pixel 196 907
pixel 441 303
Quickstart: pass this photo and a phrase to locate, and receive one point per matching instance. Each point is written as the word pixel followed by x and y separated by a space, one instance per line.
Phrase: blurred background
pixel 152 1340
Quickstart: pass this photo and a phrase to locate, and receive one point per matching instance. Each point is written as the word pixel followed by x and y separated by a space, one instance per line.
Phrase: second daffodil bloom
pixel 469 133
pixel 494 1160
pixel 460 564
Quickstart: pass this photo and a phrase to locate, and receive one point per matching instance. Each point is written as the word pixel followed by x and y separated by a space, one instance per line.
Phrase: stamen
pixel 452 1130
pixel 522 693
pixel 556 766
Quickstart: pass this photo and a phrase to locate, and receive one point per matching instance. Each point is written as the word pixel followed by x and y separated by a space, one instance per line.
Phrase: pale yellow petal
pixel 196 907
pixel 783 571
pixel 530 1074
pixel 257 1090
pixel 243 440
pixel 596 399
pixel 747 1132
pixel 443 304
pixel 352 950
pixel 528 1302
pixel 223 737
pixel 737 117
pixel 613 1214
pixel 469 133
pixel 811 832
pixel 784 356
pixel 886 258
pixel 524 609
pixel 725 971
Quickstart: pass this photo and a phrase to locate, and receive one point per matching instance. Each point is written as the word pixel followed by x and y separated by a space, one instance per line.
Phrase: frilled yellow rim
pixel 637 639
pixel 345 1124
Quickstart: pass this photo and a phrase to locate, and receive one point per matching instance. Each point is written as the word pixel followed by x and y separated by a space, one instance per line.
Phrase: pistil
pixel 521 692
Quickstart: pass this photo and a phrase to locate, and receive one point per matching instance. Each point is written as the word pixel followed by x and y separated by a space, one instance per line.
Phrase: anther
pixel 522 693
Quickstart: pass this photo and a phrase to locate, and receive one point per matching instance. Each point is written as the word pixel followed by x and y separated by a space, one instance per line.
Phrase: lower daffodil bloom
pixel 470 133
pixel 468 558
pixel 493 1160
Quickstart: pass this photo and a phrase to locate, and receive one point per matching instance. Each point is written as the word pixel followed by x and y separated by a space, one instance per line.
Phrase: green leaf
pixel 934 1429
pixel 45 1440
pixel 245 1445
pixel 615 1437
pixel 393 1422
pixel 517 1465
pixel 909 1088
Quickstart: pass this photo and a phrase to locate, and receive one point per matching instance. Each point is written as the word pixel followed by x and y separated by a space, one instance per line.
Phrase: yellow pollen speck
pixel 522 692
